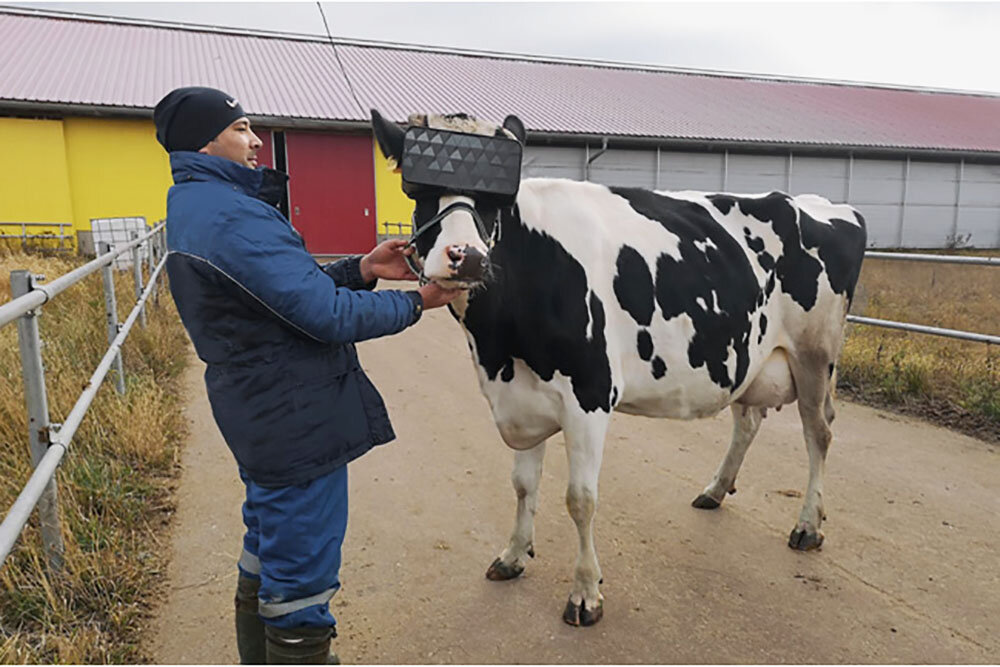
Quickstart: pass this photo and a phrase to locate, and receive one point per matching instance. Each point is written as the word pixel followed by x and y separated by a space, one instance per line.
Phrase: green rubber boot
pixel 300 646
pixel 249 626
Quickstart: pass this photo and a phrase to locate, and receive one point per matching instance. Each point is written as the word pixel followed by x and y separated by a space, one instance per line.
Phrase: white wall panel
pixel 820 176
pixel 979 227
pixel 691 171
pixel 752 174
pixel 882 222
pixel 927 226
pixel 877 186
pixel 626 168
pixel 553 162
pixel 877 182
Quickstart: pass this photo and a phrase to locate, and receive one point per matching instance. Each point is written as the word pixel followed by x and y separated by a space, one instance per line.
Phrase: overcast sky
pixel 939 44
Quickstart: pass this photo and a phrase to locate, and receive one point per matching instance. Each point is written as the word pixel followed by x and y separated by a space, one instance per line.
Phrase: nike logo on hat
pixel 232 103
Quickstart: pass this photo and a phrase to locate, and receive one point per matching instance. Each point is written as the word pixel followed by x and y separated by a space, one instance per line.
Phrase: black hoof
pixel 805 541
pixel 531 550
pixel 577 614
pixel 704 502
pixel 499 571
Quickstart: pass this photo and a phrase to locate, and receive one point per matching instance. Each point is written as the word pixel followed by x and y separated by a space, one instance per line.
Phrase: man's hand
pixel 387 261
pixel 435 296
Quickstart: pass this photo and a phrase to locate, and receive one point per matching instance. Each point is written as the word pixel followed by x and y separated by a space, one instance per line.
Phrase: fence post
pixel 111 307
pixel 137 278
pixel 33 371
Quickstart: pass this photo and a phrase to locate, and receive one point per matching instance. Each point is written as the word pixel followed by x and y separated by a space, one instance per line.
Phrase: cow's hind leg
pixel 746 423
pixel 525 477
pixel 812 378
pixel 585 449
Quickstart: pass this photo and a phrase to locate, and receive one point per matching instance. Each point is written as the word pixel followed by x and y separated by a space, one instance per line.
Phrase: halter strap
pixel 487 238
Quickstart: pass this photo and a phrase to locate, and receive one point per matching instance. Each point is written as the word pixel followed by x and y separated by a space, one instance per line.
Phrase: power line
pixel 336 54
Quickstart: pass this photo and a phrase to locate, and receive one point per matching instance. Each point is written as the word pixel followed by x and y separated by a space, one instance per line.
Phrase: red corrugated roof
pixel 57 60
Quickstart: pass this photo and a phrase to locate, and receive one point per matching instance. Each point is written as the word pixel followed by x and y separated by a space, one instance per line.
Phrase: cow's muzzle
pixel 468 264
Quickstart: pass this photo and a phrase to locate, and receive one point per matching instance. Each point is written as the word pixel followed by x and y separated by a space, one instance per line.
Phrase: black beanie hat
pixel 188 118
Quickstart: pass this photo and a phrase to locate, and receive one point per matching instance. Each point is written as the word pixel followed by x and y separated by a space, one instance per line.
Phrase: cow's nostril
pixel 455 253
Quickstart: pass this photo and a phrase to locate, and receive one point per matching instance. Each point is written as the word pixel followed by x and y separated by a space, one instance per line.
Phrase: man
pixel 277 333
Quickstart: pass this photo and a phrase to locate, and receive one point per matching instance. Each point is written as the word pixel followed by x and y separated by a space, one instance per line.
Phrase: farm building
pixel 76 99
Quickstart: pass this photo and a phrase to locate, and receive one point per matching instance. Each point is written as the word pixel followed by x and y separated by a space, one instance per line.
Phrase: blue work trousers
pixel 292 544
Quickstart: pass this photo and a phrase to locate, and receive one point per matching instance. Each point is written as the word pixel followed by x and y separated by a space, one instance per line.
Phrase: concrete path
pixel 909 572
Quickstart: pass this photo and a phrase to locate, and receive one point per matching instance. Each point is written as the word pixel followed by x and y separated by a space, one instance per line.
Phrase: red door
pixel 265 156
pixel 331 191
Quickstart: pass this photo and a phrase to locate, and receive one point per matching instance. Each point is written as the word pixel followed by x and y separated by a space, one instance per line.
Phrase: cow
pixel 584 299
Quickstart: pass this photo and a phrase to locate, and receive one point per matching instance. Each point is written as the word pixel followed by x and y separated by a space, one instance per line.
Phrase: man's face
pixel 237 143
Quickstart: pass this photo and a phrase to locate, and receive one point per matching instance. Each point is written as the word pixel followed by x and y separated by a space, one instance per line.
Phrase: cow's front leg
pixel 585 448
pixel 746 423
pixel 525 477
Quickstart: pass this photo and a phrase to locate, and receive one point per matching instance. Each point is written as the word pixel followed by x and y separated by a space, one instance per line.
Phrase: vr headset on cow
pixel 459 163
pixel 488 169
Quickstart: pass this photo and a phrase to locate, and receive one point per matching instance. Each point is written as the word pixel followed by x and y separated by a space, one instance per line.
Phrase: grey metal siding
pixel 691 171
pixel 753 174
pixel 626 168
pixel 915 204
pixel 821 176
pixel 553 162
pixel 931 195
pixel 979 206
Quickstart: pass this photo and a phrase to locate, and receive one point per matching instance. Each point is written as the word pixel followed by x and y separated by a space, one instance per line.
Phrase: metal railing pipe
pixel 58 440
pixel 37 404
pixel 20 512
pixel 15 308
pixel 111 310
pixel 65 434
pixel 920 328
pixel 943 259
pixel 137 277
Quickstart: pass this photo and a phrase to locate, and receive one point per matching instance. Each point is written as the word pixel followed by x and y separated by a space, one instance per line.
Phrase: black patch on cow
pixel 659 368
pixel 634 286
pixel 644 343
pixel 536 307
pixel 507 374
pixel 723 269
pixel 841 247
pixel 754 243
pixel 797 269
pixel 763 328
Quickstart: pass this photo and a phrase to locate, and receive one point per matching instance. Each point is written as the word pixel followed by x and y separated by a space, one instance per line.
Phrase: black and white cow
pixel 665 304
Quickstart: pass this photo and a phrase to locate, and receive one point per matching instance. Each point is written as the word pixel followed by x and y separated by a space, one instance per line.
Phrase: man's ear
pixel 389 137
pixel 514 125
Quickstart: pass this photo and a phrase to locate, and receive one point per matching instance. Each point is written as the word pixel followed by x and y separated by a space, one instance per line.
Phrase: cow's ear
pixel 389 137
pixel 514 125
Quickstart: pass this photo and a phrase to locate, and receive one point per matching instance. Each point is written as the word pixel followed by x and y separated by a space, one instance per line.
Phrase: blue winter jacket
pixel 275 328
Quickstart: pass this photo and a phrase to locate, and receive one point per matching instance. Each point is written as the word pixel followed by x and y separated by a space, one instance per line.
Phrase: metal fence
pixel 27 236
pixel 920 328
pixel 50 441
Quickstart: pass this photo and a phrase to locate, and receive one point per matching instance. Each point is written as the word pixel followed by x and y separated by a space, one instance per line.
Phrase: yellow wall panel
pixel 34 181
pixel 391 205
pixel 116 169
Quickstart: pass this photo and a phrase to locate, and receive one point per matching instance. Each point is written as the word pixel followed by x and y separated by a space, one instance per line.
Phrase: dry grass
pixel 952 381
pixel 113 484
